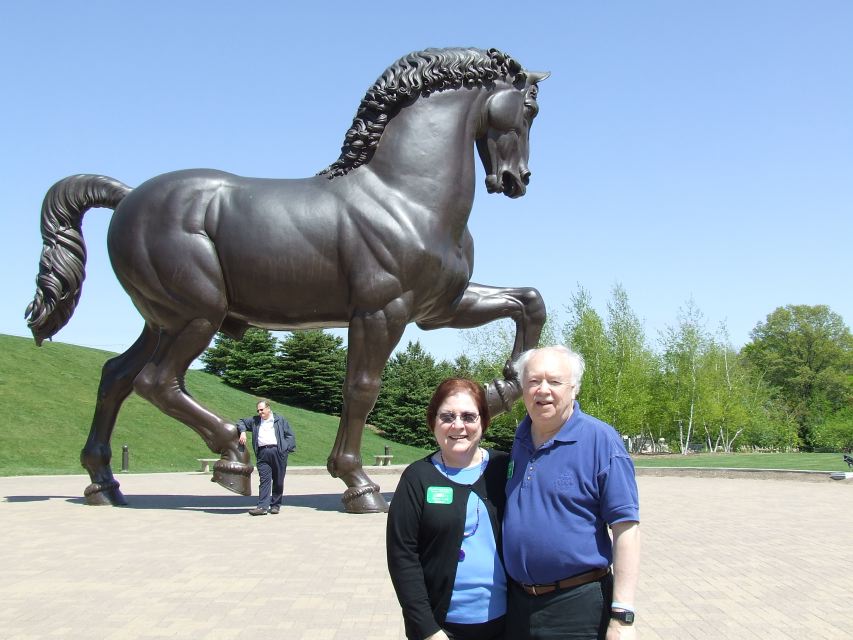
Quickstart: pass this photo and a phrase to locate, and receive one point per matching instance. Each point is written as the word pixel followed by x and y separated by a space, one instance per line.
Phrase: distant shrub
pixel 835 433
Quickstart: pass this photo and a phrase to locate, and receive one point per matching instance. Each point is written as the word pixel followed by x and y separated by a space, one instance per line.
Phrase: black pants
pixel 271 469
pixel 491 630
pixel 579 613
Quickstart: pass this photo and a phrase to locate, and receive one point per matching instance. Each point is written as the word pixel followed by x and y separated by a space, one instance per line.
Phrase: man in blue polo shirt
pixel 569 479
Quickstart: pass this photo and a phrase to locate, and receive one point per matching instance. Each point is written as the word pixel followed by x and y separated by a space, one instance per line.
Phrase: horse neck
pixel 427 152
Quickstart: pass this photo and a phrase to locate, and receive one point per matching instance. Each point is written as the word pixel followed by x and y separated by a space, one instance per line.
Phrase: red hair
pixel 453 386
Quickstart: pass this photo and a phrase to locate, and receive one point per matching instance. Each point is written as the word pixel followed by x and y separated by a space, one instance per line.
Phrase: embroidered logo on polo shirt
pixel 564 481
pixel 439 495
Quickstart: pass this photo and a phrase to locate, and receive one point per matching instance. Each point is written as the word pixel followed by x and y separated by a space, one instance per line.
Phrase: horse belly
pixel 283 296
pixel 280 257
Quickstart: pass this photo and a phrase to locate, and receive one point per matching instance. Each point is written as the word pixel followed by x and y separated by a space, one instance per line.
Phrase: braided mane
pixel 417 74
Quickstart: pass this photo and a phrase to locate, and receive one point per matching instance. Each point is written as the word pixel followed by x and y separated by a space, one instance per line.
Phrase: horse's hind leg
pixel 116 384
pixel 481 304
pixel 161 382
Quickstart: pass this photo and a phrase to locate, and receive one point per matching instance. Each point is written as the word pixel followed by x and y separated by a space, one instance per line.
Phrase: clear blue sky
pixel 683 149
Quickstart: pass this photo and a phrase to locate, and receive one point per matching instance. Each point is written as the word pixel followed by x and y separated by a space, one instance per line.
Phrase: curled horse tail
pixel 62 266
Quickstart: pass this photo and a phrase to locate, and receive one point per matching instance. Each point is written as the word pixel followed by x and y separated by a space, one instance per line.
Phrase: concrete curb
pixel 393 469
pixel 755 474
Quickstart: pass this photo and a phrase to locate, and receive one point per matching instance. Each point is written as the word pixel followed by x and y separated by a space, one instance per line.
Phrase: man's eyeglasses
pixel 467 417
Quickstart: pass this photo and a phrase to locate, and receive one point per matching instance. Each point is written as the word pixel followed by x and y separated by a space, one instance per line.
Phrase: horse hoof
pixel 366 499
pixel 501 395
pixel 104 494
pixel 234 476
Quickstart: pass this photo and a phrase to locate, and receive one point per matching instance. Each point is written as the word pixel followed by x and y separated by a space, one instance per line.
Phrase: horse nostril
pixel 525 177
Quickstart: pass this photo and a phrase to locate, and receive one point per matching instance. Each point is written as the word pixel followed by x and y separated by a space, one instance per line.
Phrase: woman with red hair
pixel 443 536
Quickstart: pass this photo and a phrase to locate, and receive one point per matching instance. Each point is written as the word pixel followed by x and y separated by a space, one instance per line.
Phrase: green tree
pixel 633 367
pixel 310 371
pixel 726 398
pixel 251 364
pixel 463 367
pixel 806 353
pixel 835 432
pixel 215 358
pixel 585 333
pixel 679 385
pixel 620 367
pixel 771 427
pixel 408 382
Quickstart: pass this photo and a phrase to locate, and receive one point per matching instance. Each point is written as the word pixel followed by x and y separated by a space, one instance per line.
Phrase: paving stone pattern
pixel 722 558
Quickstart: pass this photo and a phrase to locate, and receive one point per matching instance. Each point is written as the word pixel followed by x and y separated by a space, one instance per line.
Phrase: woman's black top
pixel 424 536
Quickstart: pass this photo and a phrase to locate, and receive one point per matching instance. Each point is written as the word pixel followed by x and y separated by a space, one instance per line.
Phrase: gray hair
pixel 575 360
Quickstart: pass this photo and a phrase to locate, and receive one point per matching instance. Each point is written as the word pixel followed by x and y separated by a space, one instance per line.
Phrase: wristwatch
pixel 624 616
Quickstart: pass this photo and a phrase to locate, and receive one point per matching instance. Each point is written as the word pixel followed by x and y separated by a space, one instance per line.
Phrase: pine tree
pixel 408 382
pixel 215 358
pixel 251 365
pixel 311 371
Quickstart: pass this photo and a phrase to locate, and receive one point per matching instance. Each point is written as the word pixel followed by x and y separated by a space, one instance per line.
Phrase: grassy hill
pixel 47 398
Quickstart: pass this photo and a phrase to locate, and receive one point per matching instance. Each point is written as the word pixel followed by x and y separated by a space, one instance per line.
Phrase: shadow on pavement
pixel 227 504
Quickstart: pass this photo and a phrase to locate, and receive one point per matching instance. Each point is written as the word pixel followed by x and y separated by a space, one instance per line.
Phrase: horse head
pixel 503 141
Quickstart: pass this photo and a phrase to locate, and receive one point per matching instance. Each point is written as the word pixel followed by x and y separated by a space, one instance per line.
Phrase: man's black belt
pixel 574 581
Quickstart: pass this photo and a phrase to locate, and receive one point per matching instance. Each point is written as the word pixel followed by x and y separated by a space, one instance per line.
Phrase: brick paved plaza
pixel 722 558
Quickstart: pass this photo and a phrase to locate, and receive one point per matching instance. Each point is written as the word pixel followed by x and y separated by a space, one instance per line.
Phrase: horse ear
pixel 537 76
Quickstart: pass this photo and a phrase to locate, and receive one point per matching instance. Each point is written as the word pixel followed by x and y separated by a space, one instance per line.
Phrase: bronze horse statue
pixel 375 241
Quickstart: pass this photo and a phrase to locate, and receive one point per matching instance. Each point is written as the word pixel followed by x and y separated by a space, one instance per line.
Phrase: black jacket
pixel 284 436
pixel 423 539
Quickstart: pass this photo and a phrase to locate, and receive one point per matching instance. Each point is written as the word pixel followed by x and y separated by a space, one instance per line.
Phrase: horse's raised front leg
pixel 481 304
pixel 116 384
pixel 371 339
pixel 161 382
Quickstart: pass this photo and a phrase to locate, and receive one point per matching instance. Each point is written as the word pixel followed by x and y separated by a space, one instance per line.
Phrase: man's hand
pixel 242 438
pixel 617 630
pixel 438 635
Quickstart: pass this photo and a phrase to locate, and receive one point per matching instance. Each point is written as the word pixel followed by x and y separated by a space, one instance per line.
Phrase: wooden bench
pixel 205 463
pixel 382 460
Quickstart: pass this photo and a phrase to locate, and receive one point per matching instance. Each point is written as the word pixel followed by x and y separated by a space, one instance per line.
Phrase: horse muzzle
pixel 510 184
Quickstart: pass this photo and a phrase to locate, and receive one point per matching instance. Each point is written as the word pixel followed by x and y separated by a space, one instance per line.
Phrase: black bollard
pixel 387 450
pixel 125 459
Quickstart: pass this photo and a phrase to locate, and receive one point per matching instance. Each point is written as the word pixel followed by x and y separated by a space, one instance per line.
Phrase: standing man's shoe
pixel 274 510
pixel 257 511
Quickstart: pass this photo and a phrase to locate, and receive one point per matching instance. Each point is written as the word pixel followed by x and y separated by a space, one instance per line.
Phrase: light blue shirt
pixel 479 590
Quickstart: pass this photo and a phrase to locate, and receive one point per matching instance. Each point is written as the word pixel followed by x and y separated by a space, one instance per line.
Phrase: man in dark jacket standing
pixel 272 440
